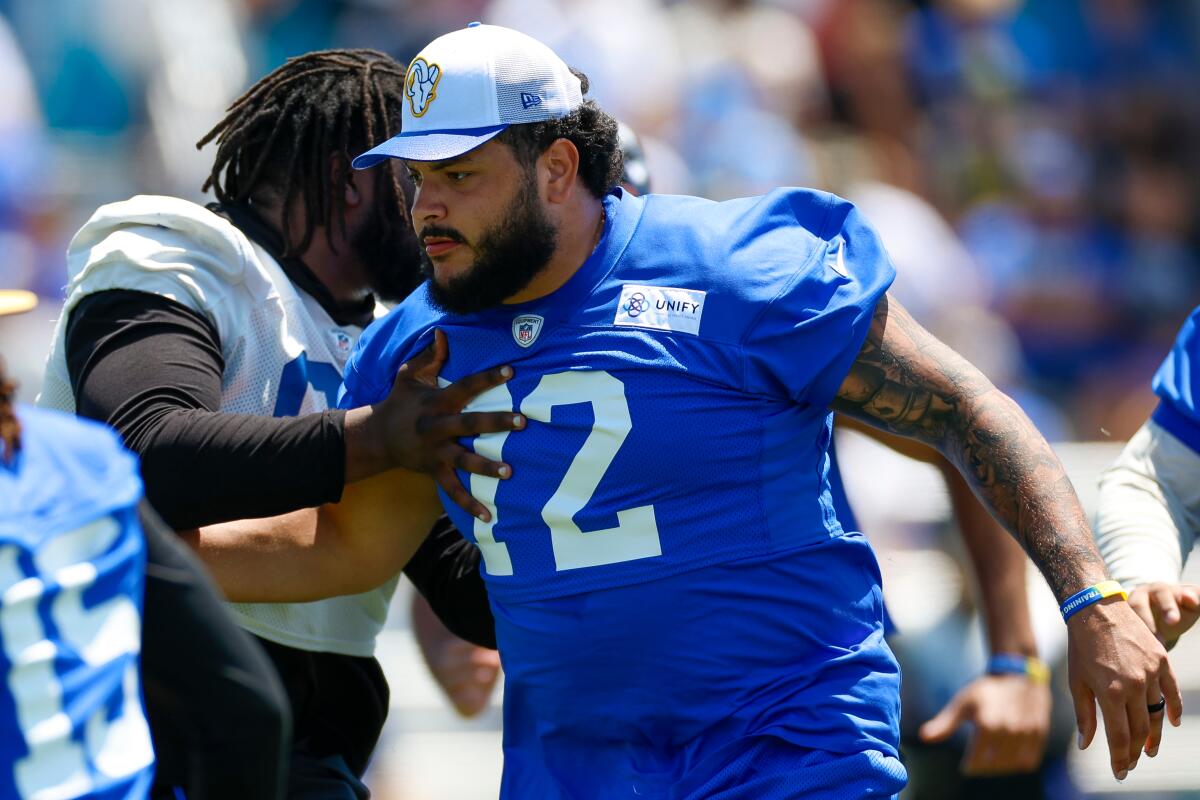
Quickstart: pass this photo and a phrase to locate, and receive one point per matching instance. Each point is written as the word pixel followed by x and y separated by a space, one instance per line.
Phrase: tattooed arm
pixel 907 382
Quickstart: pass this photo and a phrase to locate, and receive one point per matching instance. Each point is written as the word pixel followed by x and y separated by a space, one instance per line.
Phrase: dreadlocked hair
pixel 10 426
pixel 590 128
pixel 277 141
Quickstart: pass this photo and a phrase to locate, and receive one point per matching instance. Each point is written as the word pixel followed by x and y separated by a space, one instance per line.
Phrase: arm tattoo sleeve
pixel 907 382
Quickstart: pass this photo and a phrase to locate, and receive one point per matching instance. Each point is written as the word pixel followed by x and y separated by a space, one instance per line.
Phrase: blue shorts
pixel 764 679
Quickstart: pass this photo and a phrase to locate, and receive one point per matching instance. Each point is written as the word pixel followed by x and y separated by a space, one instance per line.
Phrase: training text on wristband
pixel 1092 594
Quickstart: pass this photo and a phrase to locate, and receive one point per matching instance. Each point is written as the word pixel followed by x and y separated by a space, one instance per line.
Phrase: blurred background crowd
pixel 1031 165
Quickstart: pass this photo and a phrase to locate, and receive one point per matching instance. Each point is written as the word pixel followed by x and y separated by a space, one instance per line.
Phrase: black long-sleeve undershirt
pixel 151 368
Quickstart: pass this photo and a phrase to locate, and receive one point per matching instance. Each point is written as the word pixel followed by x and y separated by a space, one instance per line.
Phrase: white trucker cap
pixel 467 86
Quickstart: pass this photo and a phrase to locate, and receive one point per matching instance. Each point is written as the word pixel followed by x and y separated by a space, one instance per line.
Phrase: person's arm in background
pixel 211 692
pixel 151 368
pixel 1010 713
pixel 1146 523
pixel 907 382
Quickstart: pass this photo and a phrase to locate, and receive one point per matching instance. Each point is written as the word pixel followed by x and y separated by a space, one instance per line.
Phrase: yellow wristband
pixel 1090 595
pixel 1013 664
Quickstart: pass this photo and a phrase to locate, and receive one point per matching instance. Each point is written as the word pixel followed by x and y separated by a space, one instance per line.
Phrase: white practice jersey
pixel 283 357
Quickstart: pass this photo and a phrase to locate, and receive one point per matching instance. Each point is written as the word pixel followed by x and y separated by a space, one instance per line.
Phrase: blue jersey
pixel 72 560
pixel 672 588
pixel 1177 384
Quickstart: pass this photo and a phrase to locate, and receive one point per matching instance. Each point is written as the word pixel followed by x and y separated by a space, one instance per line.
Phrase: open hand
pixel 1113 659
pixel 419 424
pixel 1011 718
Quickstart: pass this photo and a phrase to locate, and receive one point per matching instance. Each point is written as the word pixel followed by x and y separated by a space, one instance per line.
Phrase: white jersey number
pixel 58 766
pixel 636 533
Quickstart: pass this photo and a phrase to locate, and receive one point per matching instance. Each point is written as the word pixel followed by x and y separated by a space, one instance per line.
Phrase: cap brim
pixel 15 301
pixel 427 146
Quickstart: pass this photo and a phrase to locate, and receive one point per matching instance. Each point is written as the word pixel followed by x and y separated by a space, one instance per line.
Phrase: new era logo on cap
pixel 465 87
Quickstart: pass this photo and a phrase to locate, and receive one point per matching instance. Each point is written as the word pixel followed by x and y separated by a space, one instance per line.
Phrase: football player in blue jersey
pixel 678 609
pixel 71 570
pixel 1149 510
pixel 80 550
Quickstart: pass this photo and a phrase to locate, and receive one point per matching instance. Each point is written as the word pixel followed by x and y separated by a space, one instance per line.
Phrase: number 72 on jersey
pixel 636 533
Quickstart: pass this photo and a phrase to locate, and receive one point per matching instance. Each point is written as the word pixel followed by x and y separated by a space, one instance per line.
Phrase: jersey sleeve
pixel 1177 385
pixel 803 343
pixel 383 347
pixel 166 247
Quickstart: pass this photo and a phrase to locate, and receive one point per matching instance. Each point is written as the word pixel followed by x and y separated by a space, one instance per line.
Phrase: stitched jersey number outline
pixel 636 533
pixel 112 748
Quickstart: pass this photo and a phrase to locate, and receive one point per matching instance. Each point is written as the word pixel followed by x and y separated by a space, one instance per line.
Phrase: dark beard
pixel 390 255
pixel 509 255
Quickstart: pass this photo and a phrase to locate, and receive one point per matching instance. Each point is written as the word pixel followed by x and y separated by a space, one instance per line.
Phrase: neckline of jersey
pixel 622 212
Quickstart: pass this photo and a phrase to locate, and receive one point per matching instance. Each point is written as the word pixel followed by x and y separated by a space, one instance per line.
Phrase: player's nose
pixel 427 206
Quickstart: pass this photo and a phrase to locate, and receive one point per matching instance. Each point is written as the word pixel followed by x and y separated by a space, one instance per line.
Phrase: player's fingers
pixel 426 365
pixel 452 486
pixel 1169 687
pixel 468 461
pixel 991 753
pixel 1141 724
pixel 1153 697
pixel 1162 599
pixel 946 721
pixel 472 423
pixel 1029 756
pixel 1085 713
pixel 1116 715
pixel 464 390
pixel 1188 597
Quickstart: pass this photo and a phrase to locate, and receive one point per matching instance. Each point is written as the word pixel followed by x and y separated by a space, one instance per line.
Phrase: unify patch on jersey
pixel 664 308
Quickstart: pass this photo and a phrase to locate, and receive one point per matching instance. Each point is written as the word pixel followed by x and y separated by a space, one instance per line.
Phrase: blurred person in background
pixel 1149 512
pixel 79 551
pixel 213 338
pixel 73 725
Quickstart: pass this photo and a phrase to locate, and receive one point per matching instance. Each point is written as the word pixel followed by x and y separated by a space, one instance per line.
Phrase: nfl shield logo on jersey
pixel 526 329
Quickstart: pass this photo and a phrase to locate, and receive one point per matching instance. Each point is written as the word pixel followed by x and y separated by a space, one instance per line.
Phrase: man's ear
pixel 559 168
pixel 346 180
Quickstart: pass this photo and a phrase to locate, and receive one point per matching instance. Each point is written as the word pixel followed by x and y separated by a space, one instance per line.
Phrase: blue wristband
pixel 1014 664
pixel 1092 594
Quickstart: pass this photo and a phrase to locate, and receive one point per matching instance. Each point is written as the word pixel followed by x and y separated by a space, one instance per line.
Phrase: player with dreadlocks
pixel 213 339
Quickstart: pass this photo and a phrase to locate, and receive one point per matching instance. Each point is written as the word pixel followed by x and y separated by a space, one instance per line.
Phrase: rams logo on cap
pixel 421 85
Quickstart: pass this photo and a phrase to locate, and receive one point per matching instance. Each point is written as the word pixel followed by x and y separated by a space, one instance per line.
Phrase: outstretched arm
pixel 337 549
pixel 906 381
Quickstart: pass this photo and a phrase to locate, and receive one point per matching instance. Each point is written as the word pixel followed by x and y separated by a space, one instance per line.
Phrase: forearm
pixel 294 557
pixel 1145 520
pixel 907 382
pixel 205 467
pixel 343 548
pixel 153 369
pixel 999 565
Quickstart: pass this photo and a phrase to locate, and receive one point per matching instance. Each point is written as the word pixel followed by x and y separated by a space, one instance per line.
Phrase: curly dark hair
pixel 590 128
pixel 10 426
pixel 277 141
